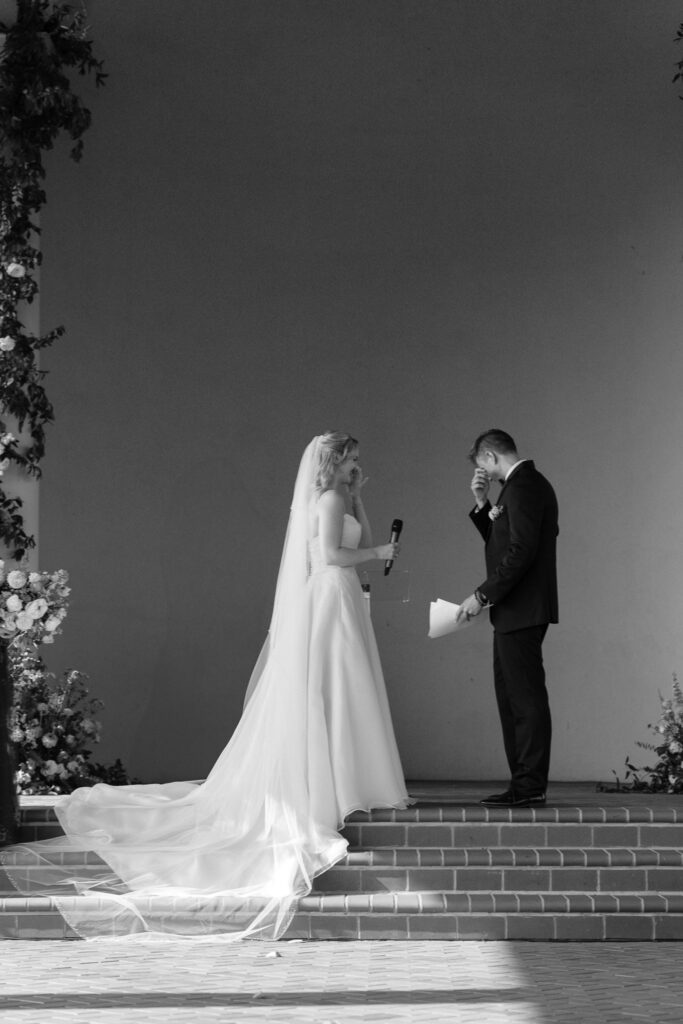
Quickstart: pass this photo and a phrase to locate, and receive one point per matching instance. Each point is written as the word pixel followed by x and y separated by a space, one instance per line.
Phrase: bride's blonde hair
pixel 334 446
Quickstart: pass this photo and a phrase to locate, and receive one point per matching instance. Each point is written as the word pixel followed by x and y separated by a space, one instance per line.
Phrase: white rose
pixel 87 725
pixel 16 579
pixel 24 621
pixel 13 603
pixel 675 747
pixel 6 438
pixel 15 269
pixel 50 768
pixel 36 609
pixel 73 766
pixel 7 343
pixel 52 623
pixel 48 638
pixel 49 740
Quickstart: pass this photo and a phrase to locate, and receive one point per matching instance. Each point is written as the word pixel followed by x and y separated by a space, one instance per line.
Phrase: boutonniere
pixel 495 511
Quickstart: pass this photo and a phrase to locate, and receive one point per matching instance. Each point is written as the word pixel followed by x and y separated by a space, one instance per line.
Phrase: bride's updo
pixel 334 447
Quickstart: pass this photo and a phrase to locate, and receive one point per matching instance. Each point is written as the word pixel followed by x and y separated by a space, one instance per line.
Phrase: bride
pixel 231 856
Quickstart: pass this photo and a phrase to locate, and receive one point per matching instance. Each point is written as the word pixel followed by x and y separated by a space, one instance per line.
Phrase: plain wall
pixel 408 219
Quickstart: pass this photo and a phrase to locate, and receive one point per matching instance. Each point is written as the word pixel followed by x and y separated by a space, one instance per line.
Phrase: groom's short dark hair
pixel 496 440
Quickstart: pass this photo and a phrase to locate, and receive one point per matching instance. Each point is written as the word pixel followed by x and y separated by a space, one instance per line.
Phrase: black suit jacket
pixel 521 551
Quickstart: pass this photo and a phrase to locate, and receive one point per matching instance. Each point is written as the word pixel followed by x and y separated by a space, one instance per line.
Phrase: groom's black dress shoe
pixel 509 799
pixel 498 799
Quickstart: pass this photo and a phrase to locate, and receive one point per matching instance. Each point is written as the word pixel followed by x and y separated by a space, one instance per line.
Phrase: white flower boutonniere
pixel 495 511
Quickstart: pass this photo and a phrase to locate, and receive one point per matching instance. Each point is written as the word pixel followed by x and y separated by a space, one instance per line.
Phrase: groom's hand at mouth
pixel 480 486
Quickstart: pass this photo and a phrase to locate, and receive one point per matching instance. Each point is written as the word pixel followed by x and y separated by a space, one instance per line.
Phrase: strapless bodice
pixel 350 538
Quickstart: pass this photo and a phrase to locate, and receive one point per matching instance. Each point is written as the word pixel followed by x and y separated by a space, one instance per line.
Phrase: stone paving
pixel 334 982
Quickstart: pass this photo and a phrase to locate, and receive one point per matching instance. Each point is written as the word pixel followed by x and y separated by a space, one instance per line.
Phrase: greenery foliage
pixel 666 775
pixel 37 104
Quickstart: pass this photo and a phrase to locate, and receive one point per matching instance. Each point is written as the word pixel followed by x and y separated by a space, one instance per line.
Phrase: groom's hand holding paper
pixel 470 608
pixel 443 618
pixel 446 617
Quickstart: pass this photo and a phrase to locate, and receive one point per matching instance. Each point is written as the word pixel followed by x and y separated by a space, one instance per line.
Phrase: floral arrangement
pixel 53 726
pixel 666 776
pixel 33 606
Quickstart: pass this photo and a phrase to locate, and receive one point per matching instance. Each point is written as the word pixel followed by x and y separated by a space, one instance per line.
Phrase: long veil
pixel 228 857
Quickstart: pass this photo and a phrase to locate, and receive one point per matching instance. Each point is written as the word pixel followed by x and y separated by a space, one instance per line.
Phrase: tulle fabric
pixel 230 857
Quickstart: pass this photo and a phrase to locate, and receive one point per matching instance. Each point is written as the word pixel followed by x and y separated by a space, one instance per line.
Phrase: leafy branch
pixel 679 64
pixel 37 104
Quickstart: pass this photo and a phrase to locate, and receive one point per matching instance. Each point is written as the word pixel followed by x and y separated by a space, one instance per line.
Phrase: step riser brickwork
pixel 340 880
pixel 379 835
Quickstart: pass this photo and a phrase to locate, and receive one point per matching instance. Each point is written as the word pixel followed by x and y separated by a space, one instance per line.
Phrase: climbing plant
pixel 39 51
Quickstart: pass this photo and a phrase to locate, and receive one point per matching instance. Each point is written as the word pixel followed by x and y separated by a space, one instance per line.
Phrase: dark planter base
pixel 9 804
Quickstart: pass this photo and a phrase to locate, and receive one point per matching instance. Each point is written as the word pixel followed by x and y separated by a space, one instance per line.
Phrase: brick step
pixel 511 856
pixel 505 915
pixel 484 856
pixel 550 927
pixel 40 816
pixel 465 880
pixel 613 813
pixel 431 870
pixel 505 833
pixel 376 834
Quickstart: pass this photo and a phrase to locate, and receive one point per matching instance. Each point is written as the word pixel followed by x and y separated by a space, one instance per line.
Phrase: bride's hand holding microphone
pixel 387 552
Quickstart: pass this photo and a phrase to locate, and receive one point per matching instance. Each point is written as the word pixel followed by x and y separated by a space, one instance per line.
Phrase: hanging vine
pixel 46 42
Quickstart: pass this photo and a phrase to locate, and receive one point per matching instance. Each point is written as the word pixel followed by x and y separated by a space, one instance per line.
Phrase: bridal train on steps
pixel 231 856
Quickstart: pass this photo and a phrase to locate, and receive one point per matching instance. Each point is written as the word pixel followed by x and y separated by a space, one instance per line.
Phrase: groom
pixel 520 533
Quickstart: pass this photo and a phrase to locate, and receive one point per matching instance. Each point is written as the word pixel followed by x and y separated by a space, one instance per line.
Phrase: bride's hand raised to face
pixel 357 482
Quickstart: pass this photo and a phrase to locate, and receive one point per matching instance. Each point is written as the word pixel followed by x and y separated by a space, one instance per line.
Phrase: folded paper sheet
pixel 442 618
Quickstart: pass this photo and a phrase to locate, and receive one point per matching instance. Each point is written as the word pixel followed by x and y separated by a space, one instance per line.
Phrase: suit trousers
pixel 519 678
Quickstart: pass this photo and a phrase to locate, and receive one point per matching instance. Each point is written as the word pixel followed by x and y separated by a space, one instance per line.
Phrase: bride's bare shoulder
pixel 330 501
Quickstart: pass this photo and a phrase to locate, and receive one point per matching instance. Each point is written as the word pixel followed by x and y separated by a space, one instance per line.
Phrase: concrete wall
pixel 410 219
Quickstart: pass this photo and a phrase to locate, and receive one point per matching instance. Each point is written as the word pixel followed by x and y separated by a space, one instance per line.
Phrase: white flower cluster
pixel 17 271
pixel 14 269
pixel 33 605
pixel 5 441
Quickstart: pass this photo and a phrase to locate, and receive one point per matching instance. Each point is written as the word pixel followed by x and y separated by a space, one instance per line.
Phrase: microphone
pixel 396 528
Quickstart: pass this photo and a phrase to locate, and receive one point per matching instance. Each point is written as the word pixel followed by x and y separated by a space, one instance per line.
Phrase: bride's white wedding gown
pixel 231 856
